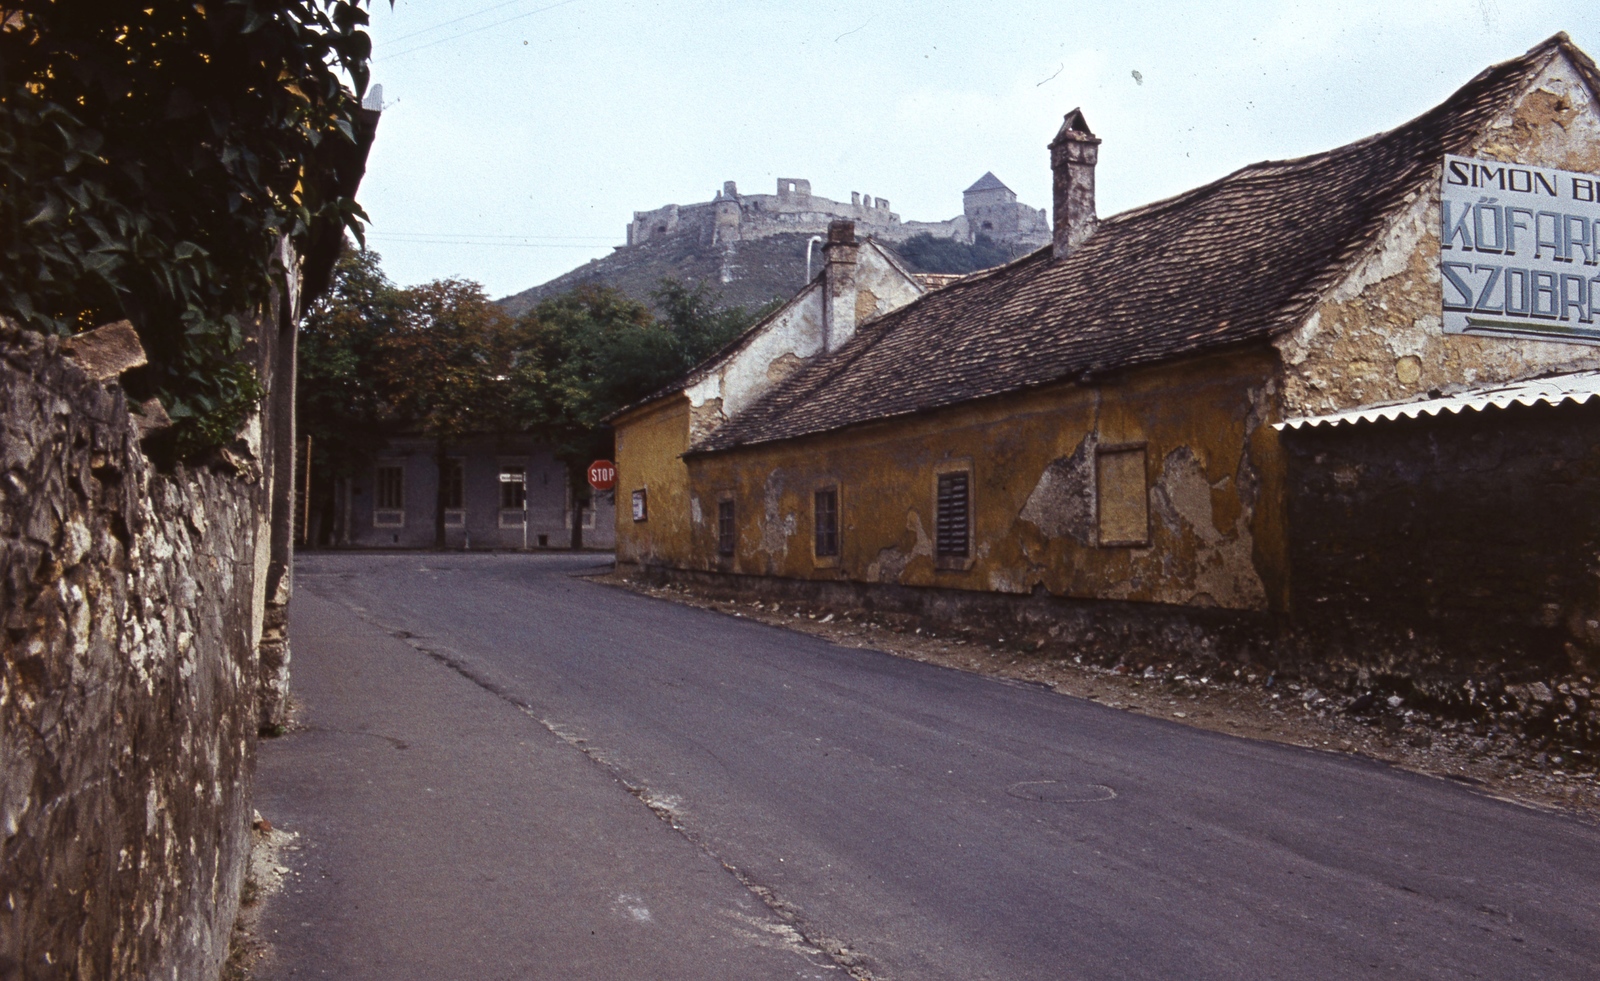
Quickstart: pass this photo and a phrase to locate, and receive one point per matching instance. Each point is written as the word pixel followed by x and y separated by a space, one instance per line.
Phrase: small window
pixel 726 531
pixel 954 516
pixel 452 484
pixel 513 488
pixel 391 486
pixel 826 521
pixel 641 505
pixel 1122 496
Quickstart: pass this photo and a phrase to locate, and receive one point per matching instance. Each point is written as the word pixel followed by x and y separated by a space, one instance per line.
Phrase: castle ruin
pixel 990 209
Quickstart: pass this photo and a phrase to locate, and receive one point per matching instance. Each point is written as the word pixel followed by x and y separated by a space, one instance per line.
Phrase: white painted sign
pixel 1520 251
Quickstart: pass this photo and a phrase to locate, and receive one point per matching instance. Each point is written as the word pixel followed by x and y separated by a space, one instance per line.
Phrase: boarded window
pixel 513 488
pixel 826 515
pixel 725 528
pixel 1123 499
pixel 954 515
pixel 452 485
pixel 390 490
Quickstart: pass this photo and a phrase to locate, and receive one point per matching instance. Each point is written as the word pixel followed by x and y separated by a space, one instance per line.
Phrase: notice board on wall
pixel 1520 251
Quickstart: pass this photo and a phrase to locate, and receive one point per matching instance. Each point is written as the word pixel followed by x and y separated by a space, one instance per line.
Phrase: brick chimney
pixel 839 284
pixel 1073 154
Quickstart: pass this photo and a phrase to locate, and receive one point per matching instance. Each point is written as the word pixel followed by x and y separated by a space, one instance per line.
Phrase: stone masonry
pixel 134 602
pixel 989 208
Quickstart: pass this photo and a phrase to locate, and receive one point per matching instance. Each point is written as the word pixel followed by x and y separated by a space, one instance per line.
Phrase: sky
pixel 519 136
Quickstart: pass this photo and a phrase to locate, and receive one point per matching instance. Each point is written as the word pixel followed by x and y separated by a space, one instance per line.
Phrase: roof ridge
pixel 1546 48
pixel 1174 278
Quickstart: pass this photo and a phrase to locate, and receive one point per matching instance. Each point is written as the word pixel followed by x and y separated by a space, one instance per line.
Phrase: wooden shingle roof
pixel 1231 262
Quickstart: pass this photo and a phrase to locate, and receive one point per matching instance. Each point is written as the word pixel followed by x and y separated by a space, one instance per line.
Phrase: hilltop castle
pixel 989 209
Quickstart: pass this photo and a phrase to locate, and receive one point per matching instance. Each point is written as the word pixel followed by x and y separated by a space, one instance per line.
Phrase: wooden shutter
pixel 954 515
pixel 827 522
pixel 725 528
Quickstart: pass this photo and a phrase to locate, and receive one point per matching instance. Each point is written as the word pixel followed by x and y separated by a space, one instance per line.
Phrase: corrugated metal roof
pixel 1577 387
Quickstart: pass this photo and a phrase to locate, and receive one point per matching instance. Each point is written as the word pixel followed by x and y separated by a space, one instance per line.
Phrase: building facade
pixel 499 492
pixel 1219 414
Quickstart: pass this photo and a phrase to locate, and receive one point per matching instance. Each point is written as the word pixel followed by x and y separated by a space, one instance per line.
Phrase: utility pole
pixel 305 522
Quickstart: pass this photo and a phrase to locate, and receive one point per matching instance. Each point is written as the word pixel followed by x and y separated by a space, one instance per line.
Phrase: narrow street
pixel 504 770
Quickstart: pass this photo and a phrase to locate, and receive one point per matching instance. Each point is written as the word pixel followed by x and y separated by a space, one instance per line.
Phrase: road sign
pixel 602 475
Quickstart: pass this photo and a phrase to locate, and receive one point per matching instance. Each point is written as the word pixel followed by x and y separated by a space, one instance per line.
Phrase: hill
pixel 747 273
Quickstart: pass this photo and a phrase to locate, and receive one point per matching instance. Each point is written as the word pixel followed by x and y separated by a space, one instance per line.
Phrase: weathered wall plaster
pixel 1032 489
pixel 793 334
pixel 1062 502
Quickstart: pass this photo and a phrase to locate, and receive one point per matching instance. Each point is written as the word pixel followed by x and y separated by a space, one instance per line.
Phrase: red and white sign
pixel 602 475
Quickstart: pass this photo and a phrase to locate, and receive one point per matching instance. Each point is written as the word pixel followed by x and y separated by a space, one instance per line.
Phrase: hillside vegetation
pixel 747 274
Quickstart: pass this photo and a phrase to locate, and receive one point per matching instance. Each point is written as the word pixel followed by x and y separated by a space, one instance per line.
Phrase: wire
pixel 502 244
pixel 476 30
pixel 517 238
pixel 447 23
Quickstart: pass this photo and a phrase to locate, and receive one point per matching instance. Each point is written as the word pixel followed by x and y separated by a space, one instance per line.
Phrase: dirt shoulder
pixel 1247 705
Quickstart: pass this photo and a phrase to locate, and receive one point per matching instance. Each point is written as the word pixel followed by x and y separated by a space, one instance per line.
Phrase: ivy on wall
pixel 152 158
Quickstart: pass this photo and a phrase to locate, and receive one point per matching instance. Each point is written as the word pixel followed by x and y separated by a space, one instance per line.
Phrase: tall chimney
pixel 839 284
pixel 1073 154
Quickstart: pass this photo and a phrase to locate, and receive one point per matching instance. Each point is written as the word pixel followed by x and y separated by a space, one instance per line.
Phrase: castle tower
pixel 990 207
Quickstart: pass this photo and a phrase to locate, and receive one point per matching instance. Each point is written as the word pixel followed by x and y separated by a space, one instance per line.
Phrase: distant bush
pixel 927 254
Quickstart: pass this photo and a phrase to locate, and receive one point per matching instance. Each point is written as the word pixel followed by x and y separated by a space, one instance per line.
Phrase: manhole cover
pixel 1056 792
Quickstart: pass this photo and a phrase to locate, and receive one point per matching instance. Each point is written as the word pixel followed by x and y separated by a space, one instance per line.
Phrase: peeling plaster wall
pixel 133 603
pixel 794 334
pixel 790 336
pixel 1378 337
pixel 1210 457
pixel 881 286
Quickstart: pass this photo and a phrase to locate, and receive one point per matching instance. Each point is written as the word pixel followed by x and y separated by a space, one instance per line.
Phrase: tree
pixel 594 350
pixel 700 325
pixel 153 157
pixel 339 402
pixel 442 361
pixel 445 367
pixel 587 351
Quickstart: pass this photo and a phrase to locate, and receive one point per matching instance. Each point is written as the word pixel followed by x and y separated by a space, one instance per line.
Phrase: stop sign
pixel 602 475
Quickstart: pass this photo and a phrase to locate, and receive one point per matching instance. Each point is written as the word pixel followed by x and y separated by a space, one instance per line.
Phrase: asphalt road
pixel 512 772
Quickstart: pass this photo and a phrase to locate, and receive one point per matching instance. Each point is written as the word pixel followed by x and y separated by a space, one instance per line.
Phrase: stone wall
pixel 1457 557
pixel 134 603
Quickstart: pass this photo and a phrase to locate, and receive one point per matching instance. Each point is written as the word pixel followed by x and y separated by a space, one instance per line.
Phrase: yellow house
pixel 1137 421
pixel 859 281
